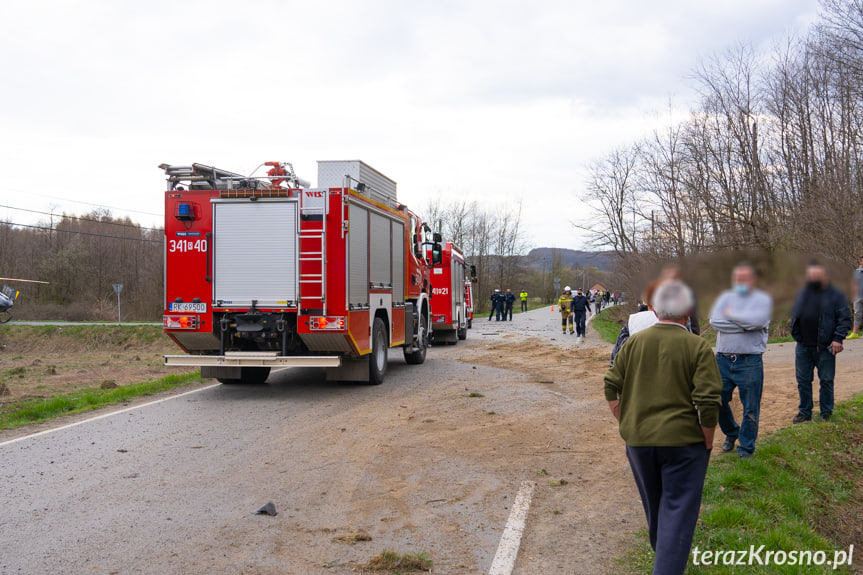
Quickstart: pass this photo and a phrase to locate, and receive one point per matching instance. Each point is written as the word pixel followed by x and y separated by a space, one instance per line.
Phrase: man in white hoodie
pixel 741 318
pixel 637 321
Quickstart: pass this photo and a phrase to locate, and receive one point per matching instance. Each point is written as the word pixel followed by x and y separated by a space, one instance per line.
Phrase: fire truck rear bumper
pixel 253 359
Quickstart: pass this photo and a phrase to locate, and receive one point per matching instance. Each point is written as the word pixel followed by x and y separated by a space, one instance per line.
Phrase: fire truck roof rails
pixel 203 177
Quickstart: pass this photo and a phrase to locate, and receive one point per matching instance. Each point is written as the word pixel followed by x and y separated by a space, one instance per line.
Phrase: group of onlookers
pixel 669 390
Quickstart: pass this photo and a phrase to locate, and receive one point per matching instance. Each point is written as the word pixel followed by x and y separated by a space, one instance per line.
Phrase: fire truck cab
pixel 266 272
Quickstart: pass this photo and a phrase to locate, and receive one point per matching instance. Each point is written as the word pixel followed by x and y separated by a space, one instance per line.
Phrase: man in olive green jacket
pixel 664 390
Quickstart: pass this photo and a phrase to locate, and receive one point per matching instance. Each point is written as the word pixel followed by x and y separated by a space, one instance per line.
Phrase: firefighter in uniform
pixel 563 305
pixel 509 300
pixel 523 296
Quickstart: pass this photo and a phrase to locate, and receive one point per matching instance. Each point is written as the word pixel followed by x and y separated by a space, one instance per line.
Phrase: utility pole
pixel 544 294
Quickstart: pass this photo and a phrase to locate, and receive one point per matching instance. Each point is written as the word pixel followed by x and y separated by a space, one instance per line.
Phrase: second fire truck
pixel 450 306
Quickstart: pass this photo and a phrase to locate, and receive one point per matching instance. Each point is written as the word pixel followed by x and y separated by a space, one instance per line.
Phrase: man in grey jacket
pixel 741 318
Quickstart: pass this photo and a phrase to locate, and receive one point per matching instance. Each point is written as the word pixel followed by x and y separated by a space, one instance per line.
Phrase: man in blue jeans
pixel 741 318
pixel 819 323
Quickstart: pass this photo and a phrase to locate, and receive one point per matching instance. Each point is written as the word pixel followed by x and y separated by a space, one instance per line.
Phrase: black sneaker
pixel 800 418
pixel 728 444
pixel 744 455
pixel 825 416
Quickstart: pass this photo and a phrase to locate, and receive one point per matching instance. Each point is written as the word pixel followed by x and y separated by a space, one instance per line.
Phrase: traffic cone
pixel 552 309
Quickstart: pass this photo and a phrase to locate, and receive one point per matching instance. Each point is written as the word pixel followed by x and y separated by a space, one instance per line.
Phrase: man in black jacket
pixel 579 307
pixel 819 323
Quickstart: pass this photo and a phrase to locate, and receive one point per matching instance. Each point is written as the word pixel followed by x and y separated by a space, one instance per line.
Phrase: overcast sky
pixel 497 101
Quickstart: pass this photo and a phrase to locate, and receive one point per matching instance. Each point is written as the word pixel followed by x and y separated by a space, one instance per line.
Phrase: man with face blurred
pixel 819 323
pixel 741 318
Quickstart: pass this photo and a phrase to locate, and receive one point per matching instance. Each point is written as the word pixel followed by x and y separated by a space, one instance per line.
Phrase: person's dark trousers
pixel 508 312
pixel 493 308
pixel 579 323
pixel 746 373
pixel 524 306
pixel 806 359
pixel 670 481
pixel 498 310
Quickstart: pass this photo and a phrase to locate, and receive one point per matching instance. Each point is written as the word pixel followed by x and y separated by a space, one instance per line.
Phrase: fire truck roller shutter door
pixel 381 259
pixel 381 267
pixel 247 267
pixel 358 258
pixel 398 238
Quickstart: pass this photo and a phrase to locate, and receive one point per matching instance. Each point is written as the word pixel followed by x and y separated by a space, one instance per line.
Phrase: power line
pixel 81 233
pixel 81 219
pixel 95 205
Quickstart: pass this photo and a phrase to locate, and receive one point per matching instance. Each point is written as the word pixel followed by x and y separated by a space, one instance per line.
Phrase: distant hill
pixel 571 258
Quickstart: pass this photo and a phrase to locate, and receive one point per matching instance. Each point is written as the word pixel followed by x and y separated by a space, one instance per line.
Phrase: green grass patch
pixel 607 324
pixel 394 562
pixel 798 493
pixel 475 394
pixel 37 410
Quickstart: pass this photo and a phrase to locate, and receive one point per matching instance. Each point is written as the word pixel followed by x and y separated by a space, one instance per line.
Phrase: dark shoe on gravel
pixel 800 418
pixel 728 444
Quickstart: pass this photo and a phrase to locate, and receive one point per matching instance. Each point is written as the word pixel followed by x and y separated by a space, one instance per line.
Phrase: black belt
pixel 734 356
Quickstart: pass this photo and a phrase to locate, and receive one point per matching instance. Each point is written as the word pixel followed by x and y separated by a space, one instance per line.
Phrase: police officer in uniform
pixel 496 304
pixel 509 300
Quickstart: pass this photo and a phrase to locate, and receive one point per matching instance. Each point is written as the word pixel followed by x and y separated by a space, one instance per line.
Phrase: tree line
pixel 769 158
pixel 81 257
pixel 491 238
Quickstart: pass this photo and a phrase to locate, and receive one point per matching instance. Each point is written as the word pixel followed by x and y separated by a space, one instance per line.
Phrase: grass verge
pixel 607 324
pixel 394 562
pixel 38 410
pixel 799 493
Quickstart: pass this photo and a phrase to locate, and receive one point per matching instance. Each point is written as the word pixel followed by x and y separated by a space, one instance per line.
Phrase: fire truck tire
pixel 248 375
pixel 255 375
pixel 469 324
pixel 378 357
pixel 419 356
pixel 462 333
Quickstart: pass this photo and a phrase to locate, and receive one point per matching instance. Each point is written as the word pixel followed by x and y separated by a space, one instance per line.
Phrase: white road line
pixel 507 550
pixel 104 415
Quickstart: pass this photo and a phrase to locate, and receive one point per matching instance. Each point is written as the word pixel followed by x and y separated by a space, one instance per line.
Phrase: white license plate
pixel 188 307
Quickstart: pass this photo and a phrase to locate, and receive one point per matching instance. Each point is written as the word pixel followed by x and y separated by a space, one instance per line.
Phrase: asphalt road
pixel 172 487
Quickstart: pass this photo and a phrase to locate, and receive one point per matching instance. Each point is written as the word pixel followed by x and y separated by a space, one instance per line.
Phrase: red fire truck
pixel 448 304
pixel 267 272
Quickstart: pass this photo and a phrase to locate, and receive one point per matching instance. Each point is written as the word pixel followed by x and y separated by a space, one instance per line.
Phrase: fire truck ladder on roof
pixel 313 259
